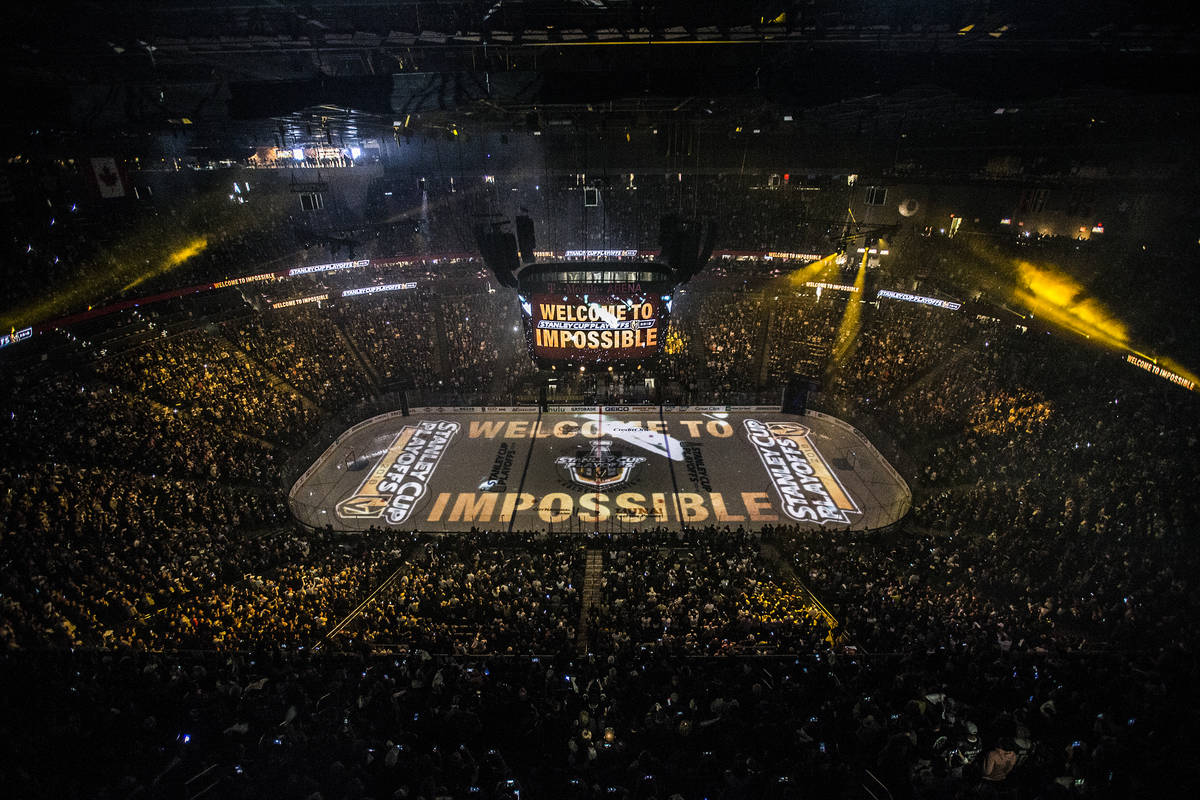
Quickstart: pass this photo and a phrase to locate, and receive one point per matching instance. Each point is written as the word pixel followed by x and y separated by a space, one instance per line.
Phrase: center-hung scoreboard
pixel 602 312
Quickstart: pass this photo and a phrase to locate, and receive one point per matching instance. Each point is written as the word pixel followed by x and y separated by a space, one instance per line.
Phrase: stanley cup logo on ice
pixel 808 490
pixel 401 476
pixel 600 466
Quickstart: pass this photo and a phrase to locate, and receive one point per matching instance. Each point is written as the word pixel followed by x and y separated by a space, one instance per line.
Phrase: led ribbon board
pixel 920 299
pixel 15 336
pixel 387 287
pixel 334 267
pixel 299 301
pixel 1162 372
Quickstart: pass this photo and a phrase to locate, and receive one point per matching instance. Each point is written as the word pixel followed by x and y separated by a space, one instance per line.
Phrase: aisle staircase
pixel 934 373
pixel 592 573
pixel 256 365
pixel 787 575
pixel 441 349
pixel 762 351
pixel 363 363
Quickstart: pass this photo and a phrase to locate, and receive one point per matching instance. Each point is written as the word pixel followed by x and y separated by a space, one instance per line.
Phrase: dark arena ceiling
pixel 233 70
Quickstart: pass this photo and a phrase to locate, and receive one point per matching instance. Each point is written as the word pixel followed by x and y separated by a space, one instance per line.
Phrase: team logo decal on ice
pixel 808 490
pixel 599 466
pixel 401 476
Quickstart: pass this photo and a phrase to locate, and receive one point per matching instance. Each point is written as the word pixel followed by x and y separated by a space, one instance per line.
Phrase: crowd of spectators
pixel 486 355
pixel 727 328
pixel 308 351
pixel 521 594
pixel 206 373
pixel 293 604
pixel 397 336
pixel 1029 629
pixel 88 551
pixel 713 594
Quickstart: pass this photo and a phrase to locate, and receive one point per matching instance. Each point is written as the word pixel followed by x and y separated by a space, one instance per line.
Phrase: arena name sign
pixel 807 488
pixel 401 476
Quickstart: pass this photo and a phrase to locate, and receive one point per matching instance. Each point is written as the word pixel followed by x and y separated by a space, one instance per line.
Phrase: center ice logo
pixel 599 466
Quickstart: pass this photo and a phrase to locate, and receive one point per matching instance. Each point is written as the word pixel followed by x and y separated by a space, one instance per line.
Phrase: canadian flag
pixel 108 177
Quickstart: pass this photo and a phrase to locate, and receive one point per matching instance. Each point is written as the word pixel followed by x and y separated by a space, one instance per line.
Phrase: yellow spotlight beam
pixel 852 318
pixel 143 253
pixel 1049 294
pixel 174 259
pixel 94 288
pixel 813 271
pixel 1056 296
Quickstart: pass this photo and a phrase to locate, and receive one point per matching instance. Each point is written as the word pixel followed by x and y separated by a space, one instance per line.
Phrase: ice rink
pixel 587 468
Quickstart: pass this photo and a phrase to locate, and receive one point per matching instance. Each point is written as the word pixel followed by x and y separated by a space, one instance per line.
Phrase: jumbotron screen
pixel 595 324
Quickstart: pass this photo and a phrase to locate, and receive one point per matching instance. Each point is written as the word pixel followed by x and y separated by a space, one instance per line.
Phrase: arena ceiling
pixel 228 74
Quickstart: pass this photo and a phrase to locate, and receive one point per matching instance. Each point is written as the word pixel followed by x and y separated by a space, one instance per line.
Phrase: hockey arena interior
pixel 606 400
